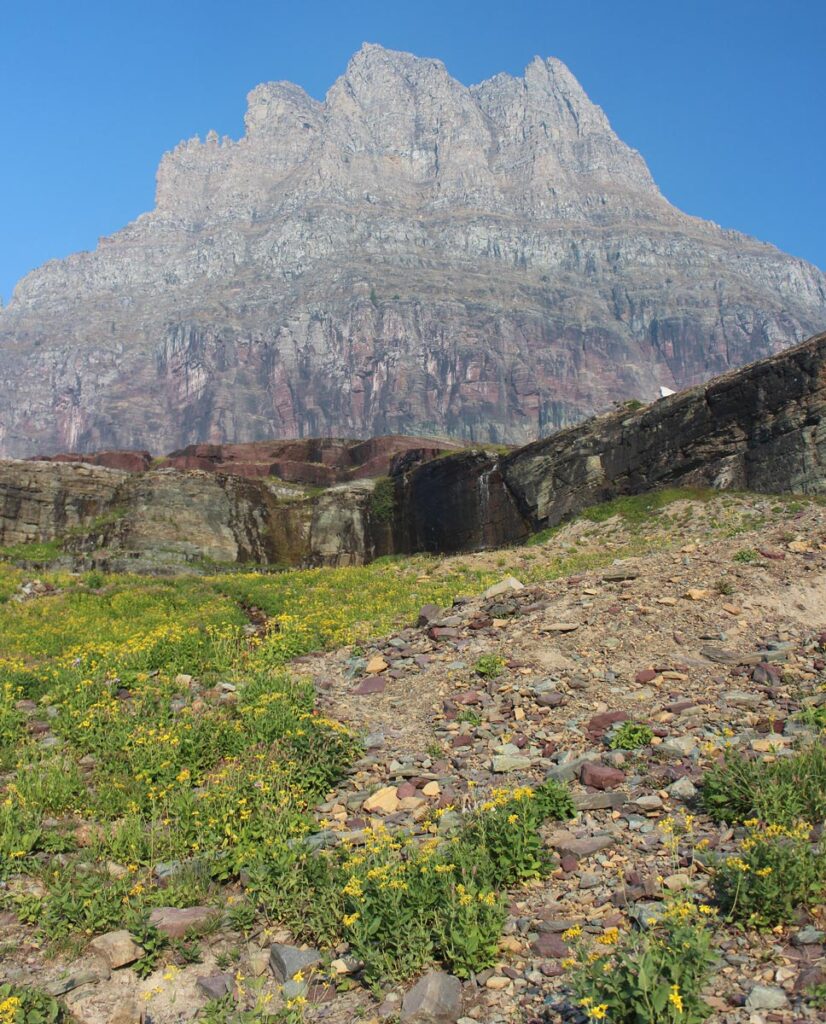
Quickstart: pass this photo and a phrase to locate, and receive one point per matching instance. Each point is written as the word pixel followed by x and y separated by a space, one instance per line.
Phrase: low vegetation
pixel 778 870
pixel 655 975
pixel 631 736
pixel 782 792
pixel 157 749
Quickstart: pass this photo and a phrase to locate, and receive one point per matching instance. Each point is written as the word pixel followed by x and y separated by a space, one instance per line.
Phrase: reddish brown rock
pixel 175 922
pixel 371 684
pixel 550 946
pixel 600 724
pixel 600 776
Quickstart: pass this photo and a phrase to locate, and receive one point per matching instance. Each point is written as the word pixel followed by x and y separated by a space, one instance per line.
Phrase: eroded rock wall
pixel 762 428
pixel 408 256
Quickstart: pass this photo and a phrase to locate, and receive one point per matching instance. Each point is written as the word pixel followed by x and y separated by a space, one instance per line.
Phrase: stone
pixel 428 614
pixel 287 961
pixel 510 763
pixel 742 699
pixel 92 1005
pixel 598 801
pixel 117 948
pixel 683 789
pixel 600 776
pixel 505 586
pixel 376 665
pixel 215 986
pixel 435 999
pixel 383 801
pixel 370 684
pixel 550 699
pixel 766 997
pixel 808 936
pixel 567 844
pixel 175 922
pixel 599 724
pixel 647 803
pixel 678 746
pixel 87 972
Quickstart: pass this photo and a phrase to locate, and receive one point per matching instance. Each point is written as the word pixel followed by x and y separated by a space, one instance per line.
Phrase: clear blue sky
pixel 724 99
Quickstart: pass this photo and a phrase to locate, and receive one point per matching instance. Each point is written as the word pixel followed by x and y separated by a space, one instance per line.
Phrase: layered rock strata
pixel 408 256
pixel 762 429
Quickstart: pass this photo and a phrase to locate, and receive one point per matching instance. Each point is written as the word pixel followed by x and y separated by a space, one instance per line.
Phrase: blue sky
pixel 723 99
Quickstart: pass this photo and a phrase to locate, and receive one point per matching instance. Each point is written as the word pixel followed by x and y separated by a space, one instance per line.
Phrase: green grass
pixel 639 508
pixel 173 771
pixel 36 552
pixel 780 792
pixel 634 510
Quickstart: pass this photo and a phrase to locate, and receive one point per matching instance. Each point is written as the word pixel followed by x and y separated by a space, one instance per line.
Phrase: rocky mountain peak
pixel 409 255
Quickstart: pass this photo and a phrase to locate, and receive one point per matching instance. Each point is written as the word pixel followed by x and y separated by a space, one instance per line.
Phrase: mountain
pixel 326 502
pixel 408 256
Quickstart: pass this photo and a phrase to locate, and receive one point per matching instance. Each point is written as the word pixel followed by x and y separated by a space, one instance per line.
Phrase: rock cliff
pixel 762 428
pixel 408 256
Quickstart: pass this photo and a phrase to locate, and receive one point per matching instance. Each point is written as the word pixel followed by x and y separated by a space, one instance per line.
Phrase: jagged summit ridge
pixel 409 255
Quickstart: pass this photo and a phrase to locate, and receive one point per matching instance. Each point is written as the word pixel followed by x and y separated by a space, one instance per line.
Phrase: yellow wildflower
pixel 8 1010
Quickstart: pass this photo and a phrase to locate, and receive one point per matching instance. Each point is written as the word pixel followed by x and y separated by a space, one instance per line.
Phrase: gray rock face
pixel 434 999
pixel 762 428
pixel 164 518
pixel 409 255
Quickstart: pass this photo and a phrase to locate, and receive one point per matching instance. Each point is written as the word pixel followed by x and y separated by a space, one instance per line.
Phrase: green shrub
pixel 401 904
pixel 631 736
pixel 22 1005
pixel 815 995
pixel 745 555
pixel 781 792
pixel 154 944
pixel 814 717
pixel 383 500
pixel 777 871
pixel 654 976
pixel 489 666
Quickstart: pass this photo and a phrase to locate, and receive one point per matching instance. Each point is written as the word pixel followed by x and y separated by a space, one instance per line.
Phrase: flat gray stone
pixel 683 789
pixel 287 961
pixel 434 999
pixel 510 762
pixel 766 997
pixel 215 986
pixel 678 746
pixel 567 843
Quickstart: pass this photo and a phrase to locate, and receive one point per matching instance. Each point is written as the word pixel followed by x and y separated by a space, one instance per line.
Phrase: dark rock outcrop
pixel 408 256
pixel 458 503
pixel 762 428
